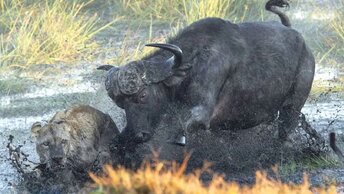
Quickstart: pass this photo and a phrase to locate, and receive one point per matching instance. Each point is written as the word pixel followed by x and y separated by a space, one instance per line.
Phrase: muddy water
pixel 326 116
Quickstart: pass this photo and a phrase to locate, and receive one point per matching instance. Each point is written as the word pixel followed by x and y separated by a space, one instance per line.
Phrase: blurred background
pixel 50 49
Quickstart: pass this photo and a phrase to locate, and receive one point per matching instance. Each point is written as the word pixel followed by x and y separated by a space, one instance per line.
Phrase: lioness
pixel 78 136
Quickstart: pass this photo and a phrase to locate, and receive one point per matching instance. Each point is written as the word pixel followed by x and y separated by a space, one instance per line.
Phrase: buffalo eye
pixel 143 96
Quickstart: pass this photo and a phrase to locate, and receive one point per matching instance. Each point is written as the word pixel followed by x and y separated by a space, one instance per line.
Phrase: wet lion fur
pixel 77 136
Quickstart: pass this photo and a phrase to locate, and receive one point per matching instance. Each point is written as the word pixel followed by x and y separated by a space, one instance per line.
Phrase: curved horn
pixel 105 67
pixel 177 52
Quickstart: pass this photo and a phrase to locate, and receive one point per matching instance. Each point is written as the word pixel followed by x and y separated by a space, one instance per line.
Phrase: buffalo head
pixel 142 88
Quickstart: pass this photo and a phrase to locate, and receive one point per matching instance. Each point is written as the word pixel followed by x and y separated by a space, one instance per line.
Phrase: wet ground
pixel 18 112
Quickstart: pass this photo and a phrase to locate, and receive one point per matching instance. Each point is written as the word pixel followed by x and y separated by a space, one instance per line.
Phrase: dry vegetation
pixel 45 32
pixel 337 25
pixel 49 32
pixel 188 11
pixel 159 178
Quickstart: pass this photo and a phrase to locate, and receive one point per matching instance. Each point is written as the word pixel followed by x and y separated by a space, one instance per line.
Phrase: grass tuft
pixel 337 25
pixel 14 86
pixel 45 32
pixel 308 164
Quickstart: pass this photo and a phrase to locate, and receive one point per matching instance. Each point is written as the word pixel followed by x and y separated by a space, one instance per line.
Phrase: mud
pixel 230 152
pixel 236 153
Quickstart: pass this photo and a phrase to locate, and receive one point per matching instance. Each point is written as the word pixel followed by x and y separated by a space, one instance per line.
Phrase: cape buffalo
pixel 229 76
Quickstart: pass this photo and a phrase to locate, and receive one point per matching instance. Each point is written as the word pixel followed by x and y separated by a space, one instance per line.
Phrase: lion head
pixel 53 140
pixel 75 137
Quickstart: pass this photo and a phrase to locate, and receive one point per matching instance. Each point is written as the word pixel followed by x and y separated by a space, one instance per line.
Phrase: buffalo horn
pixel 105 67
pixel 177 52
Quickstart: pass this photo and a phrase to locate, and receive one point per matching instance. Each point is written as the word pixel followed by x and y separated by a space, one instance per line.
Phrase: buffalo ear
pixel 178 76
pixel 105 67
pixel 175 64
pixel 35 128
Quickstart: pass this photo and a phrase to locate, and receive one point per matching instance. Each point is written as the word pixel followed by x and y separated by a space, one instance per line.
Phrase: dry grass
pixel 178 13
pixel 188 11
pixel 159 178
pixel 45 32
pixel 337 25
pixel 145 9
pixel 36 32
pixel 197 9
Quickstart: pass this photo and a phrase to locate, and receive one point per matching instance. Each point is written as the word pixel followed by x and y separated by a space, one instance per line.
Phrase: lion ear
pixel 36 127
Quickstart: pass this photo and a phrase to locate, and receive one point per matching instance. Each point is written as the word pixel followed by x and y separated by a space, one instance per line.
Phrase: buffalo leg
pixel 288 120
pixel 204 93
pixel 298 94
pixel 200 119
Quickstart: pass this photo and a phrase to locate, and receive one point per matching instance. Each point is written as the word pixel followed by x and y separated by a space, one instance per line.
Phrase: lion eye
pixel 46 144
pixel 59 122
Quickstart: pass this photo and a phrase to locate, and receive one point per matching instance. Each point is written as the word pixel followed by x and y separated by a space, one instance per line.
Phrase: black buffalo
pixel 228 76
